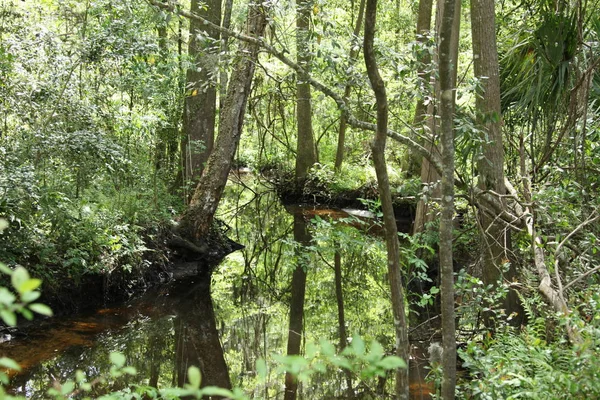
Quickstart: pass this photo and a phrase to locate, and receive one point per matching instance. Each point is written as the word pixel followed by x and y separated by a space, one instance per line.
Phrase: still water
pixel 243 313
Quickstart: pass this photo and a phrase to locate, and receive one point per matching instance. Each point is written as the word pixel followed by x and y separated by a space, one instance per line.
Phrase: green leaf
pixel 194 377
pixel 41 309
pixel 27 314
pixel 117 359
pixel 327 348
pixel 6 297
pixel 79 376
pixel 8 317
pixel 358 345
pixel 29 285
pixel 217 391
pixel 28 297
pixel 67 387
pixel 3 224
pixel 9 363
pixel 4 269
pixel 129 370
pixel 261 368
pixel 19 277
pixel 391 362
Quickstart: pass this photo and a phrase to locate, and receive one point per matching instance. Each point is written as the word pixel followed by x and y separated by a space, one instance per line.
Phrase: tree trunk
pixel 303 238
pixel 198 217
pixel 413 161
pixel 447 70
pixel 429 175
pixel 306 155
pixel 389 220
pixel 228 7
pixel 494 235
pixel 339 155
pixel 200 100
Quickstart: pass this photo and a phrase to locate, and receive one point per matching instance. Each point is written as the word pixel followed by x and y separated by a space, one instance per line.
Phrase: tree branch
pixel 175 8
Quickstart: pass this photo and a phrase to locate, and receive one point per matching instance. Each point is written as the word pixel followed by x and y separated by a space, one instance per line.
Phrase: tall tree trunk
pixel 413 161
pixel 389 220
pixel 303 238
pixel 201 91
pixel 447 70
pixel 494 235
pixel 306 155
pixel 198 217
pixel 429 176
pixel 339 155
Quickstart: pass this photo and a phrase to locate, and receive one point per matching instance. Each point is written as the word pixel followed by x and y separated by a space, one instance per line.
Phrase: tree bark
pixel 494 235
pixel 228 7
pixel 201 91
pixel 447 70
pixel 430 175
pixel 198 217
pixel 339 155
pixel 306 155
pixel 413 161
pixel 389 220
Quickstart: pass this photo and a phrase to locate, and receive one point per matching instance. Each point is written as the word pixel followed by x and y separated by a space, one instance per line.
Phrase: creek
pixel 224 323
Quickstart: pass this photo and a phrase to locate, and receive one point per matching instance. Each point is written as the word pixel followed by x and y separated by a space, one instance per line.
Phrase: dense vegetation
pixel 109 170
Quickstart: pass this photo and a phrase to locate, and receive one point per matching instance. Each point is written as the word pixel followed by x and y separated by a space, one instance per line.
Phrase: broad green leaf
pixel 28 297
pixel 27 314
pixel 8 317
pixel 391 362
pixel 129 370
pixel 261 368
pixel 117 359
pixel 5 269
pixel 9 363
pixel 358 345
pixel 3 224
pixel 327 348
pixel 19 277
pixel 41 309
pixel 79 376
pixel 194 377
pixel 29 285
pixel 67 387
pixel 6 297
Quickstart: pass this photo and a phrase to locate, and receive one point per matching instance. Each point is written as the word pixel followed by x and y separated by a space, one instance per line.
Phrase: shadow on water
pixel 270 298
pixel 162 334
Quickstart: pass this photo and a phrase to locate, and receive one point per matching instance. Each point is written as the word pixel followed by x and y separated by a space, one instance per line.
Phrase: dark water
pixel 242 314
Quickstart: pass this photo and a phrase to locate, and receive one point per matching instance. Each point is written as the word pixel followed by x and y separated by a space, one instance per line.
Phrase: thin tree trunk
pixel 198 217
pixel 228 7
pixel 303 238
pixel 339 155
pixel 306 155
pixel 389 220
pixel 339 296
pixel 424 62
pixel 447 69
pixel 201 90
pixel 429 175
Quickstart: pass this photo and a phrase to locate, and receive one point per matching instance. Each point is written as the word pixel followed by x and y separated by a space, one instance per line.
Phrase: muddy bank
pixel 318 193
pixel 163 262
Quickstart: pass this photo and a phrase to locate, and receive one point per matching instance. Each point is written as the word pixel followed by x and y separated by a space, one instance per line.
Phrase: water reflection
pixel 294 282
pixel 162 334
